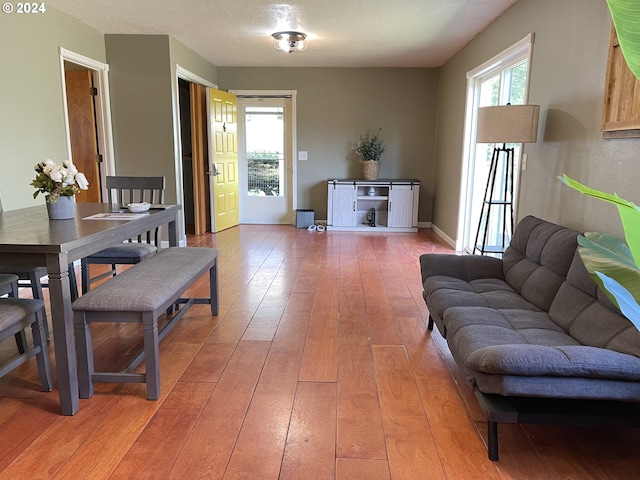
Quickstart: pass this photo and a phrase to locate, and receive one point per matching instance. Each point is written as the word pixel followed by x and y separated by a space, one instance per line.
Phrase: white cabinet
pixel 342 203
pixel 390 205
pixel 403 206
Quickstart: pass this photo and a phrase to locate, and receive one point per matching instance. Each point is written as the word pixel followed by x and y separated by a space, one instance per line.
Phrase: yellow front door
pixel 224 155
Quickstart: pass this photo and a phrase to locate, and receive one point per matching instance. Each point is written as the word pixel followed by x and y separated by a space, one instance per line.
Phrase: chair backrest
pixel 125 190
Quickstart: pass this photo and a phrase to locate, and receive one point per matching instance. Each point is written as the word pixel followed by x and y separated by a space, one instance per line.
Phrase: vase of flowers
pixel 370 148
pixel 59 183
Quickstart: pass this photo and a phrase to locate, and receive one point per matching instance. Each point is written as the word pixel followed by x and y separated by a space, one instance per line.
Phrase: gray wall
pixel 140 86
pixel 567 81
pixel 32 111
pixel 144 102
pixel 335 105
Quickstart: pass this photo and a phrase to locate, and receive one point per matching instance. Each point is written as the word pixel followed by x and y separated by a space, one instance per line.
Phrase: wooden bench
pixel 142 294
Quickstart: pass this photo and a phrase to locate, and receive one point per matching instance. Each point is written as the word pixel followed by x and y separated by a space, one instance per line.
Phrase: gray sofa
pixel 536 338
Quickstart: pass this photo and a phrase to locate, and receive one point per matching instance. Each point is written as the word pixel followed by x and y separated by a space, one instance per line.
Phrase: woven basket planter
pixel 370 169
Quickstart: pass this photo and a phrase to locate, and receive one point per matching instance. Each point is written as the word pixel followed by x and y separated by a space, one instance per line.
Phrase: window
pixel 503 79
pixel 264 133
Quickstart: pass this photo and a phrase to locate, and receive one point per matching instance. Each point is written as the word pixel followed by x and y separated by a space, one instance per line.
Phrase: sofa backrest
pixel 585 313
pixel 537 261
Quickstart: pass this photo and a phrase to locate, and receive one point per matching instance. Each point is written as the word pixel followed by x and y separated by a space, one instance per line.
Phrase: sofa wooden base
pixel 551 411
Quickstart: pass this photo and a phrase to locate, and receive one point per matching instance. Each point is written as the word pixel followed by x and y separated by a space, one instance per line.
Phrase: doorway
pixel 195 185
pixel 266 138
pixel 193 156
pixel 501 80
pixel 88 121
pixel 83 133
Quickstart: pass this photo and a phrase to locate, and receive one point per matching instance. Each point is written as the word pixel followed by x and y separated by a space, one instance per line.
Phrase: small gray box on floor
pixel 304 218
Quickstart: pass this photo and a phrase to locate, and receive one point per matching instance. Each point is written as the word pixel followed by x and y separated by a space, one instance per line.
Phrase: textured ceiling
pixel 341 33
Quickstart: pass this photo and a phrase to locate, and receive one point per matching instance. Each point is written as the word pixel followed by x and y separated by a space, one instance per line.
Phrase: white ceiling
pixel 341 33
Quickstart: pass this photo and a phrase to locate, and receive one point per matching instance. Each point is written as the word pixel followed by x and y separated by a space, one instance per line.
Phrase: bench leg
pixel 213 289
pixel 151 356
pixel 84 351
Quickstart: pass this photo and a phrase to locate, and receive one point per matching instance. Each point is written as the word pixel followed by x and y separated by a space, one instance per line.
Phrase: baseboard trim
pixel 451 242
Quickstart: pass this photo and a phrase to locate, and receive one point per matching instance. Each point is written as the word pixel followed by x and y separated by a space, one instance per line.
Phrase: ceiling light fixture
pixel 289 42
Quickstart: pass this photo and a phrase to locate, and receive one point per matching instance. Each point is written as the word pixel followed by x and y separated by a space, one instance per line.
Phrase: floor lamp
pixel 501 124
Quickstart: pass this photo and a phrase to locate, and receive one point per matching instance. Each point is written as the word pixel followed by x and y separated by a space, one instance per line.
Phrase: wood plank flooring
pixel 319 366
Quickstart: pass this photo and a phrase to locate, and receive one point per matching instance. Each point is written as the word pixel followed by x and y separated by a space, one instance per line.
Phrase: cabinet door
pixel 343 205
pixel 401 200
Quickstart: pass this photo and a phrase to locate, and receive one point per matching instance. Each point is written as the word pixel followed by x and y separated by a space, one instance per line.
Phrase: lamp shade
pixel 508 124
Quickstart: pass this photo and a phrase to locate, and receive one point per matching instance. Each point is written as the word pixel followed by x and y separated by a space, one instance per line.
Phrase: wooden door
pixel 224 155
pixel 200 159
pixel 82 130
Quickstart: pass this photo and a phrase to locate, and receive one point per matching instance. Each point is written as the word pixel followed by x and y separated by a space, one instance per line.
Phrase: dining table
pixel 28 238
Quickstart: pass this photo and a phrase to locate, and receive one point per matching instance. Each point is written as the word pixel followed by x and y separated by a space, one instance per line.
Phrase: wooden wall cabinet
pixel 395 202
pixel 621 105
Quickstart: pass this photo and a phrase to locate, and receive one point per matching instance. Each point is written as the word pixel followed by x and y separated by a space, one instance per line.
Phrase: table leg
pixel 63 338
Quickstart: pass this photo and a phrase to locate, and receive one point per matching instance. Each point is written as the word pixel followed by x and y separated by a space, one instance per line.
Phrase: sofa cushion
pixel 538 259
pixel 525 343
pixel 445 292
pixel 466 280
pixel 585 313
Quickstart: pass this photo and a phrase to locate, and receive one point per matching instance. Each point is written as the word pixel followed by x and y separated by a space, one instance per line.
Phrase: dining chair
pixel 16 314
pixel 121 191
pixel 9 287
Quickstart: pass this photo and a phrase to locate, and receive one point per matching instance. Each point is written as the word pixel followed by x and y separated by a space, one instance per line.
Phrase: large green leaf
pixel 610 256
pixel 625 301
pixel 629 213
pixel 626 18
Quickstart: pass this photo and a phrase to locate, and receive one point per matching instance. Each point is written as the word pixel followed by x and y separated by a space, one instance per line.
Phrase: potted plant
pixel 59 183
pixel 369 149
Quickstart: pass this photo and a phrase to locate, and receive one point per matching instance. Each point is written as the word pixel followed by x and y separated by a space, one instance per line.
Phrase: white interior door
pixel 265 147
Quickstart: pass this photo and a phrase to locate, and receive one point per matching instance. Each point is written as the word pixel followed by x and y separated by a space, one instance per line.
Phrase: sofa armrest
pixel 464 267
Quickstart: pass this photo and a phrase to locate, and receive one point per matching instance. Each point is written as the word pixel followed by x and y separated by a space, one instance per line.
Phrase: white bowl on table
pixel 138 207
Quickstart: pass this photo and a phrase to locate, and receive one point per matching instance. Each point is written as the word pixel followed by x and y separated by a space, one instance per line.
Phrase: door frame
pixel 199 203
pixel 102 110
pixel 294 137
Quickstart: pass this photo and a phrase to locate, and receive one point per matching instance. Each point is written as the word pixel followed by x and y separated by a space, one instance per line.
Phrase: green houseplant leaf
pixel 629 213
pixel 370 146
pixel 610 256
pixel 626 18
pixel 612 263
pixel 626 302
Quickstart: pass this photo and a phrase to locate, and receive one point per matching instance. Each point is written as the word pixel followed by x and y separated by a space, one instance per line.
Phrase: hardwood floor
pixel 319 366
